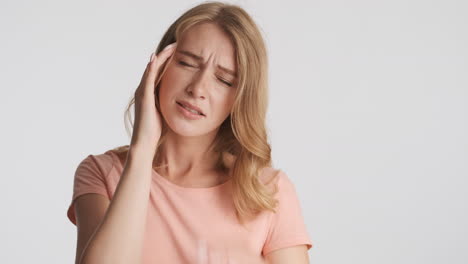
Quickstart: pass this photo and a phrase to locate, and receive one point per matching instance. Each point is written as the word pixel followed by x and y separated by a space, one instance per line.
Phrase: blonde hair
pixel 243 134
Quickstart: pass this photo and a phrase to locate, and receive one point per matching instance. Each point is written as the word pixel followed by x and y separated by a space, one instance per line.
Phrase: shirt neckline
pixel 158 177
pixel 164 180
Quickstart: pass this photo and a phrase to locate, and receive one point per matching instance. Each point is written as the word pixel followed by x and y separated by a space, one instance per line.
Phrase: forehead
pixel 209 40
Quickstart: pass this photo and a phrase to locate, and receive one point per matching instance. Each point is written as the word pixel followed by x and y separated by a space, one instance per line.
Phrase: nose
pixel 200 84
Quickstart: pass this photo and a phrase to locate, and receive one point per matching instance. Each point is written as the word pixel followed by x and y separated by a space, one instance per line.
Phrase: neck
pixel 187 158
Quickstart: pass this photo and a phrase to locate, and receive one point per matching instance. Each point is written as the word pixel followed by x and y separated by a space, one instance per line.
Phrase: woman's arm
pixel 90 209
pixel 119 237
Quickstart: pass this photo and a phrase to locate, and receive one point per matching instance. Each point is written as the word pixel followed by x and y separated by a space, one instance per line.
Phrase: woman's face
pixel 199 74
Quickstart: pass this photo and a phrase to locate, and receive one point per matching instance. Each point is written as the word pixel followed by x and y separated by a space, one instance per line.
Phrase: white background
pixel 368 117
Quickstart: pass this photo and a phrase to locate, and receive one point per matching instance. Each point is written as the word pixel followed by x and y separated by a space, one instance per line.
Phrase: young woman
pixel 196 183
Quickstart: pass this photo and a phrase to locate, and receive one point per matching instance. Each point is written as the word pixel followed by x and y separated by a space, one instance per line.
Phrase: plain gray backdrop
pixel 368 116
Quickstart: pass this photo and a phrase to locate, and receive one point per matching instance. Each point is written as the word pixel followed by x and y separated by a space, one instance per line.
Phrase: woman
pixel 195 185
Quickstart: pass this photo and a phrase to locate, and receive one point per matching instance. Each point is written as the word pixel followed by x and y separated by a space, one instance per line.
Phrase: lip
pixel 191 106
pixel 188 114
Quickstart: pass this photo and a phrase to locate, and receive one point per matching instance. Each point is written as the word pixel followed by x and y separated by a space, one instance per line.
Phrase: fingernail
pixel 170 46
pixel 152 57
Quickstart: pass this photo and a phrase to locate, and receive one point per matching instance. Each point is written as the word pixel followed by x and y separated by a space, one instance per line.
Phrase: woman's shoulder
pixel 119 153
pixel 104 160
pixel 107 159
pixel 270 177
pixel 276 178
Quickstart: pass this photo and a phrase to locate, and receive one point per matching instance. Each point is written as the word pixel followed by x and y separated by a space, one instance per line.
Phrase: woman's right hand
pixel 147 126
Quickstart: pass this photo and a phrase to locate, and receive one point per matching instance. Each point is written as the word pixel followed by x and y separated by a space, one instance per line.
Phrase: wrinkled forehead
pixel 209 40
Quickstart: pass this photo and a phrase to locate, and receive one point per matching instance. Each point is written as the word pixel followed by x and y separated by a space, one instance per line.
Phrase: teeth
pixel 191 110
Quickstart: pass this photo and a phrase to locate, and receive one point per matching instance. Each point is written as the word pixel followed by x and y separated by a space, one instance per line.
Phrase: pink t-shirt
pixel 198 225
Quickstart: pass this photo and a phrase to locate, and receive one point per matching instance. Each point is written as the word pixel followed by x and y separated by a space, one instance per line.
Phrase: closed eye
pixel 185 64
pixel 225 82
pixel 188 65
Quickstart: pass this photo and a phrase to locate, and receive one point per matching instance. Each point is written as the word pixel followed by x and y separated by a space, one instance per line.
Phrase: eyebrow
pixel 199 58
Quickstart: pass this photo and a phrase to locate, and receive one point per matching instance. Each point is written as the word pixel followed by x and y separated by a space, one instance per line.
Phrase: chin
pixel 184 128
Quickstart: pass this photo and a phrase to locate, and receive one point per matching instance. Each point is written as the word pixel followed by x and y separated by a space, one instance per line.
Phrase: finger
pixel 158 60
pixel 145 73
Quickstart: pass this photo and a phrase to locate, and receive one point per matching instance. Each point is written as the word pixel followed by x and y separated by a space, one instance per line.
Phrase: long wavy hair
pixel 242 140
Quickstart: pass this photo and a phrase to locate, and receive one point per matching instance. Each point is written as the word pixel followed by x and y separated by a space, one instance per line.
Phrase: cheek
pixel 229 96
pixel 169 83
pixel 224 104
pixel 169 75
pixel 176 77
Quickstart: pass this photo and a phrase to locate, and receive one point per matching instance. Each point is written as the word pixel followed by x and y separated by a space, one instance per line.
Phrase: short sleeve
pixel 287 226
pixel 90 177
